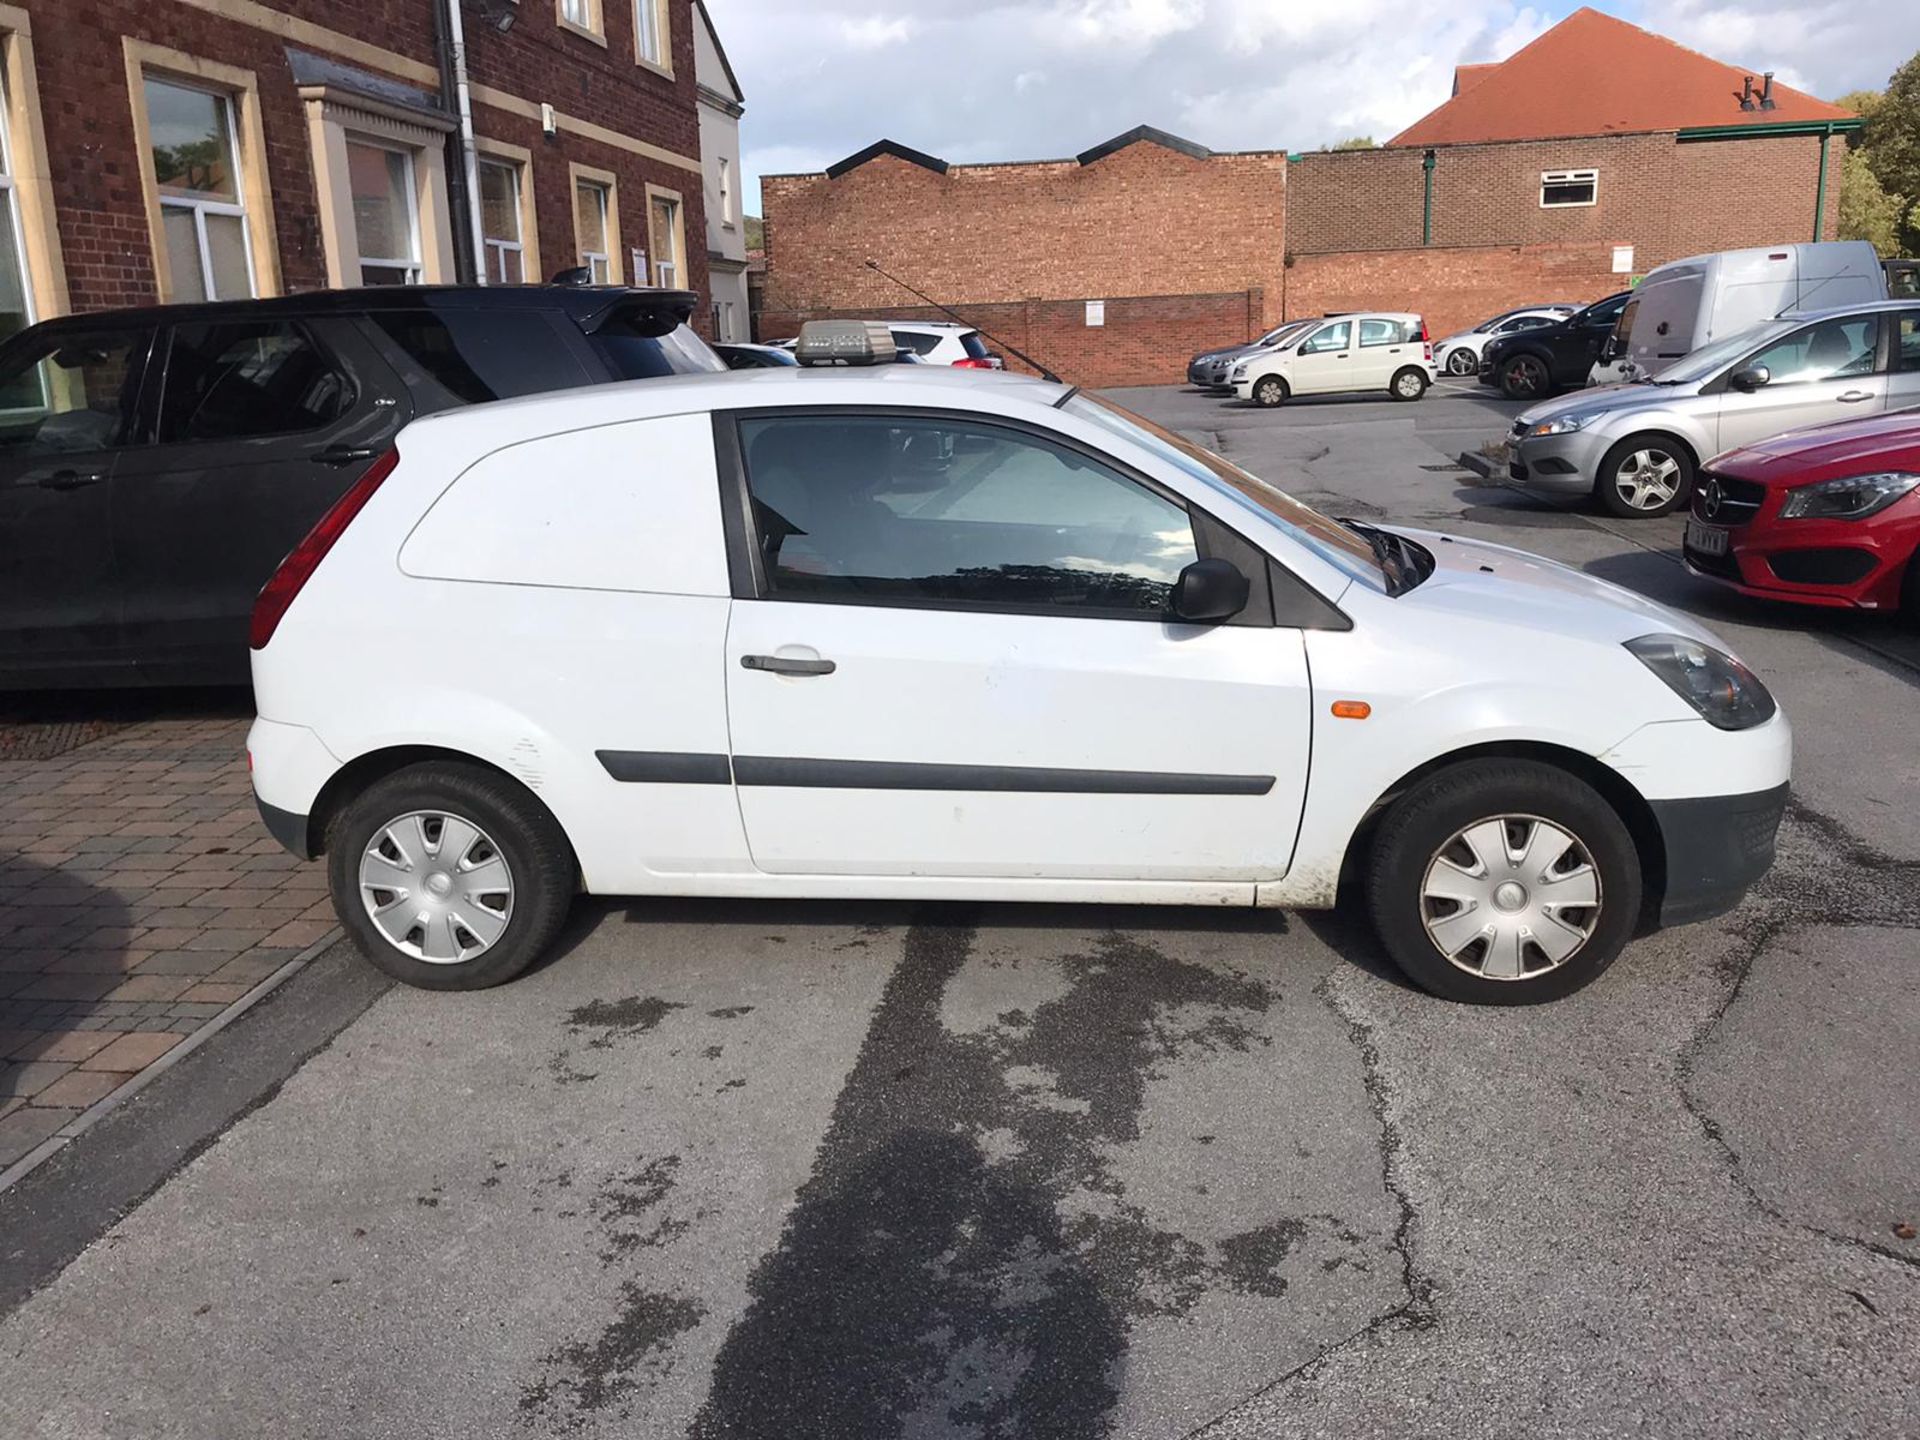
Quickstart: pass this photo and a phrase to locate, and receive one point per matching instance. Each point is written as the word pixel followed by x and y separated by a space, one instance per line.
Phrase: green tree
pixel 756 233
pixel 1867 212
pixel 1356 142
pixel 1891 143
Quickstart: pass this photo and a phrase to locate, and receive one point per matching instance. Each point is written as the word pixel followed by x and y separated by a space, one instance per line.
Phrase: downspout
pixel 1426 204
pixel 1820 191
pixel 469 156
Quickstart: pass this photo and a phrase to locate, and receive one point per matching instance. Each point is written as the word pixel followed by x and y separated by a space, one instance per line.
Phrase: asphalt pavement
pixel 735 1169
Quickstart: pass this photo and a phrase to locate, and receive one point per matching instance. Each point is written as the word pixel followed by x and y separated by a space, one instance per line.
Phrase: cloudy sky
pixel 1034 79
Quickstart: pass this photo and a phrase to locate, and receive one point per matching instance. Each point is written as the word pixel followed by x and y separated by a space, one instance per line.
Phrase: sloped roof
pixel 1465 77
pixel 1594 75
pixel 1138 134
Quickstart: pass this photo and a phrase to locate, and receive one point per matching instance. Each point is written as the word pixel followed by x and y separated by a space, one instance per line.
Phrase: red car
pixel 1828 516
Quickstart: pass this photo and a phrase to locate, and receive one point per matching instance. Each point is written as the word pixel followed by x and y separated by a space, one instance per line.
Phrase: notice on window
pixel 1096 312
pixel 1623 259
pixel 639 258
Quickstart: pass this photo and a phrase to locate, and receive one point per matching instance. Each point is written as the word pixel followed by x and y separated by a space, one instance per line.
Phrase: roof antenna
pixel 1045 373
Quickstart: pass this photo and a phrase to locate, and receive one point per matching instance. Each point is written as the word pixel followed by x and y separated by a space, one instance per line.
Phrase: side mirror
pixel 1749 378
pixel 1209 591
pixel 1609 348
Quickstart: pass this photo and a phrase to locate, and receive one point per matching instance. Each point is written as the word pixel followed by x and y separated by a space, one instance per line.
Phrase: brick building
pixel 1590 155
pixel 162 150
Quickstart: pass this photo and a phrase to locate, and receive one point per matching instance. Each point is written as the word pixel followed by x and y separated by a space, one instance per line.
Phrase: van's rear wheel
pixel 1270 390
pixel 1643 476
pixel 449 877
pixel 1503 882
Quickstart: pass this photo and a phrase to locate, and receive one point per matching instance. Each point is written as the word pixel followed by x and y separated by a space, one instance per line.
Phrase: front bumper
pixel 1557 464
pixel 1717 846
pixel 1837 564
pixel 1209 376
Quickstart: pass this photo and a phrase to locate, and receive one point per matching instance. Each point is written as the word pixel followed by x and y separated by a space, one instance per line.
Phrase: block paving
pixel 139 897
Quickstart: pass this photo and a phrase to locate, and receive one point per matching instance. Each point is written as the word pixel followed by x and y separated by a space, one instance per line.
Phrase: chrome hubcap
pixel 1462 362
pixel 1510 897
pixel 1409 385
pixel 436 886
pixel 1647 479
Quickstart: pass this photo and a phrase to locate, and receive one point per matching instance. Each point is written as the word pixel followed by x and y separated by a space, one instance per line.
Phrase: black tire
pixel 1269 390
pixel 1421 822
pixel 539 861
pixel 1408 384
pixel 1910 592
pixel 1462 361
pixel 1525 377
pixel 1607 481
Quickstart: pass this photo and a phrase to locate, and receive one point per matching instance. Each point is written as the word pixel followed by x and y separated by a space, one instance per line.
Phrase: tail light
pixel 1423 329
pixel 1426 349
pixel 971 364
pixel 294 572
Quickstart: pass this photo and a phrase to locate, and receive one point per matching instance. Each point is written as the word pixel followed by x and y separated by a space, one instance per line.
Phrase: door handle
pixel 1854 397
pixel 68 480
pixel 786 665
pixel 344 454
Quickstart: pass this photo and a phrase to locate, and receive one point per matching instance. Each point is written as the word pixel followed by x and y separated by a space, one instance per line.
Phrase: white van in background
pixel 1686 304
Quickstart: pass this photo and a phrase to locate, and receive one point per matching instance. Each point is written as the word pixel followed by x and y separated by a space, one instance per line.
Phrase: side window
pixel 1329 337
pixel 872 509
pixel 238 381
pixel 915 341
pixel 1906 342
pixel 1830 350
pixel 1601 317
pixel 1530 322
pixel 481 355
pixel 1382 332
pixel 72 392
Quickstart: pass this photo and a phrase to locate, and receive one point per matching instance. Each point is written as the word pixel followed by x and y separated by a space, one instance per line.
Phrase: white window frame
pixel 666 273
pixel 1569 177
pixel 202 206
pixel 413 265
pixel 726 191
pixel 10 197
pixel 498 250
pixel 649 33
pixel 599 263
pixel 578 12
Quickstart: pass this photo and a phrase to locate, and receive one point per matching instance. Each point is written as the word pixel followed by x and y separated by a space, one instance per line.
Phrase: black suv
pixel 1532 364
pixel 156 465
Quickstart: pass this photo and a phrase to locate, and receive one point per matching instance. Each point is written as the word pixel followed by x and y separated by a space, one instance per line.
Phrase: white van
pixel 1689 303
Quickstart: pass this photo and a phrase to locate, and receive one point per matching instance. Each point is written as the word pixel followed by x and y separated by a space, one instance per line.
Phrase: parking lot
pixel 757 1169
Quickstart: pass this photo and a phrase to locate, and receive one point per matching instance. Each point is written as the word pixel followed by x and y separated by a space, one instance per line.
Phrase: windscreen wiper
pixel 1387 553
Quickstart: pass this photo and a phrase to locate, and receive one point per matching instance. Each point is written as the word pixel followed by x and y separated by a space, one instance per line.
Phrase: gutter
pixel 455 60
pixel 1821 128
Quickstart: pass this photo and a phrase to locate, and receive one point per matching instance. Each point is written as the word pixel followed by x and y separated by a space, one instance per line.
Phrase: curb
pixel 134 1084
pixel 1479 464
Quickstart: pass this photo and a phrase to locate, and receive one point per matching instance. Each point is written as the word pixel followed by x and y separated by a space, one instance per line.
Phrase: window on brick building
pixel 726 191
pixel 385 224
pixel 592 210
pixel 1568 187
pixel 196 169
pixel 663 241
pixel 650 31
pixel 581 15
pixel 500 222
pixel 16 290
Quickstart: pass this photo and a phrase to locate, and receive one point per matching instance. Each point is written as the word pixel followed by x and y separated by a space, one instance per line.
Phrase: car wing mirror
pixel 1209 591
pixel 1749 378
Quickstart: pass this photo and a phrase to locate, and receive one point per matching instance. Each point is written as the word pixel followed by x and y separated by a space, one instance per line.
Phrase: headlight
pixel 1726 693
pixel 1559 425
pixel 1853 498
pixel 1239 371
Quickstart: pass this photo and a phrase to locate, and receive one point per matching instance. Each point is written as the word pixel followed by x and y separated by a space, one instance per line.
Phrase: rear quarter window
pixel 631 507
pixel 473 356
pixel 974 345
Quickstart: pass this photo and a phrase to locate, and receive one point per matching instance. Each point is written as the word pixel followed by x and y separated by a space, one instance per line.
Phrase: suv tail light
pixel 972 364
pixel 294 572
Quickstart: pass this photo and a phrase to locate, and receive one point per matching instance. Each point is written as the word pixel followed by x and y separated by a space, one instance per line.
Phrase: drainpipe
pixel 1426 206
pixel 469 157
pixel 1820 190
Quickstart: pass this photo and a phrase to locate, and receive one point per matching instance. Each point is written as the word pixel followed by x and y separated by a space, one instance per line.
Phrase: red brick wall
pixel 1145 220
pixel 88 119
pixel 1453 289
pixel 1146 340
pixel 1664 198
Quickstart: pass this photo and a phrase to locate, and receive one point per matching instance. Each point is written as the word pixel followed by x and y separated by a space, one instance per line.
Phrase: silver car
pixel 1210 368
pixel 1635 447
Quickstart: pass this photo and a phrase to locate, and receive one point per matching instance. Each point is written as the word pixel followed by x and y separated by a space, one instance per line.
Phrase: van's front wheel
pixel 1503 882
pixel 449 877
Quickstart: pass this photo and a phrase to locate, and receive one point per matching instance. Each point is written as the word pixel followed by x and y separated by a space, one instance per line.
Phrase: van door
pixel 1323 363
pixel 262 425
pixel 69 407
pixel 1826 371
pixel 954 659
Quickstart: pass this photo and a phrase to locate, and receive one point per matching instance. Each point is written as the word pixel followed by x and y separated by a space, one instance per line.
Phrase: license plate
pixel 1706 540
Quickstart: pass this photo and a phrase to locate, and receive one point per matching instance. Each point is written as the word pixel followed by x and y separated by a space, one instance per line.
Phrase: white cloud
pixel 875 32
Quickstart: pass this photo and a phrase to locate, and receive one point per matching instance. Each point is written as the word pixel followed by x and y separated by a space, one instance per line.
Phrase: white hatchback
pixel 1344 354
pixel 901 633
